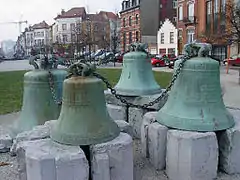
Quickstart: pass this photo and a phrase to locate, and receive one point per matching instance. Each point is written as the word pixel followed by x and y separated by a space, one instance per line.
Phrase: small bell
pixel 137 77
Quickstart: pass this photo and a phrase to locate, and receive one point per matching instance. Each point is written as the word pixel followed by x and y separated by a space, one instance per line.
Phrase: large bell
pixel 84 119
pixel 195 102
pixel 38 103
pixel 137 77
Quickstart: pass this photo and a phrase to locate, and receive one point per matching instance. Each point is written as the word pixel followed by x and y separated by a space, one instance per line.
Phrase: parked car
pixel 158 61
pixel 119 57
pixel 233 61
pixel 172 61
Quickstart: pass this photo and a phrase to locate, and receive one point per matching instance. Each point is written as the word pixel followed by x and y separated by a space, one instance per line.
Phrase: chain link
pixel 157 100
pixel 51 84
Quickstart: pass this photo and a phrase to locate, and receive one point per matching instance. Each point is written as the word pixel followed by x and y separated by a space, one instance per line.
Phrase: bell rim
pixel 163 119
pixel 129 92
pixel 67 140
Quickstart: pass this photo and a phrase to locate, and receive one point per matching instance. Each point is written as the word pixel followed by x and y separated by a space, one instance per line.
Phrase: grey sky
pixel 35 11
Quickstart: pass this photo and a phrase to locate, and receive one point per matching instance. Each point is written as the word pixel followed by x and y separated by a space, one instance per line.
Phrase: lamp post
pixel 89 33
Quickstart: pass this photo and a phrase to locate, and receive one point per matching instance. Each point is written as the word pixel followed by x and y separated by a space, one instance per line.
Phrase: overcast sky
pixel 35 11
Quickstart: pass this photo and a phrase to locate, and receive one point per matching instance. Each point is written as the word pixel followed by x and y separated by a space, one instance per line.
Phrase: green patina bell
pixel 137 77
pixel 195 102
pixel 84 119
pixel 39 104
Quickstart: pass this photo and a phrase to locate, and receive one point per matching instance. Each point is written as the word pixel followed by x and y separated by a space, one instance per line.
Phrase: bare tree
pixel 233 17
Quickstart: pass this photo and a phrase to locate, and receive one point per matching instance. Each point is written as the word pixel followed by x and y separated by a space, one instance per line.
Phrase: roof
pixel 41 25
pixel 96 17
pixel 72 13
pixel 109 15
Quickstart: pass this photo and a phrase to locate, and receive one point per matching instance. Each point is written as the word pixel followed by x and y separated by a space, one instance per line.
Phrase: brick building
pixel 203 20
pixel 130 23
pixel 141 21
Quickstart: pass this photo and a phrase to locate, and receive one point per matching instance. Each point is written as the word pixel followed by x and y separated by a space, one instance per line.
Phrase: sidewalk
pixel 231 87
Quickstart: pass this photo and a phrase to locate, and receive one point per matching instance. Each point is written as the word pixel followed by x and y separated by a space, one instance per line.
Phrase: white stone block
pixel 135 119
pixel 38 132
pixel 124 127
pixel 117 112
pixel 5 140
pixel 100 167
pixel 157 142
pixel 191 155
pixel 148 119
pixel 120 153
pixel 40 166
pixel 70 161
pixel 229 148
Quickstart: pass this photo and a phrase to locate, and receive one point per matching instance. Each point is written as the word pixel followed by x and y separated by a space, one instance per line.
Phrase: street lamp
pixel 89 31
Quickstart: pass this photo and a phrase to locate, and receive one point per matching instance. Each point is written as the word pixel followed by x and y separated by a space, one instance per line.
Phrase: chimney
pixel 62 12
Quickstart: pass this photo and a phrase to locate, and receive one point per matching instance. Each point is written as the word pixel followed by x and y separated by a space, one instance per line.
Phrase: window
pixel 72 26
pixel 175 4
pixel 180 13
pixel 174 19
pixel 223 9
pixel 137 36
pixel 171 37
pixel 171 51
pixel 216 6
pixel 64 27
pixel 190 35
pixel 124 41
pixel 73 38
pixel 65 39
pixel 124 22
pixel 180 33
pixel 137 18
pixel 130 37
pixel 209 7
pixel 130 21
pixel 190 11
pixel 42 34
pixel 162 38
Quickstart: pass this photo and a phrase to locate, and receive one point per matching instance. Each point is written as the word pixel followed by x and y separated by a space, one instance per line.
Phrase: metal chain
pixel 51 84
pixel 157 100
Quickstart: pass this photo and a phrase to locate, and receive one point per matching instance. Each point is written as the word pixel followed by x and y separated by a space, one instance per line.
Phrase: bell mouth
pixel 57 135
pixel 137 92
pixel 195 124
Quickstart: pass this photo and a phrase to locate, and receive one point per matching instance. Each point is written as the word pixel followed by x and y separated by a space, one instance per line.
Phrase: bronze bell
pixel 137 77
pixel 195 101
pixel 39 104
pixel 84 119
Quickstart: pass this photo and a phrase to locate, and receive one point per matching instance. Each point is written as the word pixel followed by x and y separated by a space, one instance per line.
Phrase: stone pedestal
pixel 40 158
pixel 229 147
pixel 5 140
pixel 191 155
pixel 47 160
pixel 132 115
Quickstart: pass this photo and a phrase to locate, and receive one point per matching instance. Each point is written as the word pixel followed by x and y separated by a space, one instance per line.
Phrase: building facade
pixel 130 23
pixel 167 38
pixel 66 24
pixel 115 29
pixel 205 21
